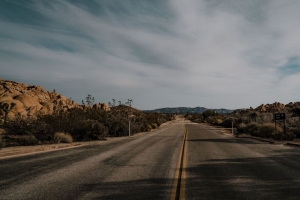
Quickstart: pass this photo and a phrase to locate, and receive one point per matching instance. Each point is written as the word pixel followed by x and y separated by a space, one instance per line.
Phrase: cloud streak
pixel 159 53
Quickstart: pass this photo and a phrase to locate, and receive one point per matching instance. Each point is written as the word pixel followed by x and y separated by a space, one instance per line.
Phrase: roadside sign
pixel 279 116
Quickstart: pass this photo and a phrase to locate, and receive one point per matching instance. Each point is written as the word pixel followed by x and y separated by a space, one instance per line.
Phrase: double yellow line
pixel 178 189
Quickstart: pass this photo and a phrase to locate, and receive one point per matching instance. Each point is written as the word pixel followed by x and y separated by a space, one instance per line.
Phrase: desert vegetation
pixel 79 125
pixel 31 115
pixel 257 122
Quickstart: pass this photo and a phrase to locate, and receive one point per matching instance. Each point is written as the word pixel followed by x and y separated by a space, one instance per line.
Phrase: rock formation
pixel 275 107
pixel 33 100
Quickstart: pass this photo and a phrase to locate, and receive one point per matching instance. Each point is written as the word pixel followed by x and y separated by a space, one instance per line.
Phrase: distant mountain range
pixel 184 110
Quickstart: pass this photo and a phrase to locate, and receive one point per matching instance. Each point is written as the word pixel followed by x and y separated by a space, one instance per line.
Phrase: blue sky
pixel 160 53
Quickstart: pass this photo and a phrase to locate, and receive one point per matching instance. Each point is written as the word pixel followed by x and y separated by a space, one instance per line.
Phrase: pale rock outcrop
pixel 275 107
pixel 102 106
pixel 33 100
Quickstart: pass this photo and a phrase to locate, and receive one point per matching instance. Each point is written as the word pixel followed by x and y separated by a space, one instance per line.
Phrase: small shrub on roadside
pixel 218 121
pixel 266 130
pixel 241 128
pixel 154 125
pixel 227 123
pixel 278 134
pixel 61 137
pixel 295 131
pixel 252 129
pixel 289 135
pixel 26 140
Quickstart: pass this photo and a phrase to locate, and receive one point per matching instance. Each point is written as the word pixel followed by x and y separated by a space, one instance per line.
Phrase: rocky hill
pixel 271 108
pixel 184 110
pixel 30 100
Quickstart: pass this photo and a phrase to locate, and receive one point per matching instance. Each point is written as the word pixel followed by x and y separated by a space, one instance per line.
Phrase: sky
pixel 159 53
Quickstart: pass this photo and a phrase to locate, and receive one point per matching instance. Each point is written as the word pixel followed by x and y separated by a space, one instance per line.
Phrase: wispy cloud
pixel 159 53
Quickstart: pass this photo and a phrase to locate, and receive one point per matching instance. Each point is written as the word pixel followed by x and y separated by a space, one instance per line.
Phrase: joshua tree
pixel 90 100
pixel 113 104
pixel 7 108
pixel 128 103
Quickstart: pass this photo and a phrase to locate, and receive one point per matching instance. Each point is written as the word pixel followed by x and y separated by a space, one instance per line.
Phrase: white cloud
pixel 206 53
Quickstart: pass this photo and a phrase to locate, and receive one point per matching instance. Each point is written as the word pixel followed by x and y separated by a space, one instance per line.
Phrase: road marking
pixel 183 172
pixel 178 189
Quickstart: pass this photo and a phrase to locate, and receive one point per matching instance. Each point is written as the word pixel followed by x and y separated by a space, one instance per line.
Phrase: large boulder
pixel 28 101
pixel 33 100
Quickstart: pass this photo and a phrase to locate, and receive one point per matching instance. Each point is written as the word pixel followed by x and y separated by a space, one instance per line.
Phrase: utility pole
pixel 129 108
pixel 129 126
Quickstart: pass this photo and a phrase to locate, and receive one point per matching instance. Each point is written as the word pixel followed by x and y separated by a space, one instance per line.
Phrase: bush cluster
pixel 195 117
pixel 295 131
pixel 266 130
pixel 61 137
pixel 23 140
pixel 81 125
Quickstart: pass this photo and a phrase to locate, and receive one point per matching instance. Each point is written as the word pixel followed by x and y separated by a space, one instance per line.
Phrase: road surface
pixel 213 166
pixel 141 167
pixel 223 167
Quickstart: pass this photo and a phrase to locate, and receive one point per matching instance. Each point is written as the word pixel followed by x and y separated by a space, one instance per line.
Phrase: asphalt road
pixel 215 166
pixel 140 167
pixel 224 167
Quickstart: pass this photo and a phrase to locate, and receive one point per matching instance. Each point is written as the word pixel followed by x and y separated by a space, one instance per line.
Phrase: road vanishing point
pixel 181 160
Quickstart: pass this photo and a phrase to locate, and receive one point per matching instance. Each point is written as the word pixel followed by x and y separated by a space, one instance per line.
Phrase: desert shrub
pixel 98 131
pixel 241 127
pixel 34 126
pixel 295 131
pixel 218 121
pixel 266 130
pixel 290 135
pixel 25 140
pixel 154 125
pixel 82 125
pixel 278 134
pixel 118 128
pixel 252 129
pixel 296 112
pixel 86 130
pixel 61 137
pixel 142 128
pixel 195 117
pixel 208 113
pixel 20 126
pixel 227 123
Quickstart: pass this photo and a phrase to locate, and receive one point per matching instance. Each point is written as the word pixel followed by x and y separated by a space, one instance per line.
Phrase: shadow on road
pixel 122 190
pixel 225 140
pixel 275 177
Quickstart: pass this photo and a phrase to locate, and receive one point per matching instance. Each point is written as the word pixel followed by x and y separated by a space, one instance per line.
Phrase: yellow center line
pixel 183 172
pixel 178 189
